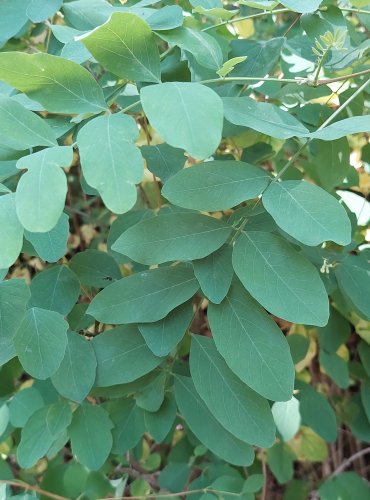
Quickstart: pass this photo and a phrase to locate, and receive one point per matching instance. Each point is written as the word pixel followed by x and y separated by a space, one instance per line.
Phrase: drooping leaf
pixel 240 410
pixel 52 245
pixel 215 273
pixel 20 128
pixel 280 279
pixel 126 46
pixel 128 419
pixel 205 426
pixel 287 418
pixel 111 162
pixel 335 367
pixel 70 87
pixel 56 289
pixel 215 185
pixel 180 112
pixel 178 236
pixel 122 356
pixel 345 485
pixel 159 423
pixel 144 297
pixel 280 459
pixel 162 336
pixel 76 373
pixel 307 212
pixel 204 47
pixel 42 190
pixel 230 64
pixel 330 162
pixel 91 436
pixel 14 295
pixel 41 430
pixel 252 344
pixel 10 227
pixel 263 117
pixel 95 268
pixel 163 160
pixel 335 333
pixel 316 412
pixel 41 341
pixel 353 275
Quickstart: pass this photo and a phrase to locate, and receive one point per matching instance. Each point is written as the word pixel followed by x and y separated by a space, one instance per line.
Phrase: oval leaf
pixel 181 112
pixel 280 279
pixel 144 297
pixel 252 345
pixel 240 410
pixel 215 185
pixel 179 236
pixel 307 212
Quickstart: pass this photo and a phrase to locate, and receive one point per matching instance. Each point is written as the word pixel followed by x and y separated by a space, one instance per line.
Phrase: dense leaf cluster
pixel 184 262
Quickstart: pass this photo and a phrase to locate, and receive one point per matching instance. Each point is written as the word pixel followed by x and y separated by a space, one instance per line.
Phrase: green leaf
pixel 280 279
pixel 307 212
pixel 302 7
pixel 335 367
pixel 52 245
pixel 287 418
pixel 230 65
pixel 20 128
pixel 24 404
pixel 144 297
pixel 280 460
pixel 38 10
pixel 13 18
pixel 122 356
pixel 178 236
pixel 205 426
pixel 262 56
pixel 128 419
pixel 41 191
pixel 11 228
pixel 163 160
pixel 365 397
pixel 342 128
pixel 76 373
pixel 316 412
pixel 95 268
pixel 335 333
pixel 91 436
pixel 166 18
pixel 215 185
pixel 111 162
pixel 151 397
pixel 263 117
pixel 41 430
pixel 70 87
pixel 335 156
pixel 126 46
pixel 163 335
pixel 252 345
pixel 215 273
pixel 14 295
pixel 346 485
pixel 240 410
pixel 56 289
pixel 41 341
pixel 364 352
pixel 159 424
pixel 181 112
pixel 205 49
pixel 353 275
